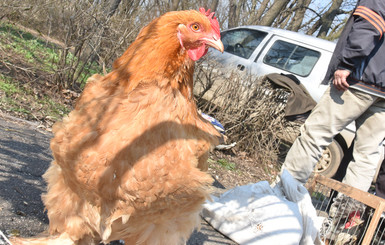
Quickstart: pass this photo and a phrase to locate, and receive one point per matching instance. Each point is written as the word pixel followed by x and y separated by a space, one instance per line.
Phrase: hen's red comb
pixel 213 20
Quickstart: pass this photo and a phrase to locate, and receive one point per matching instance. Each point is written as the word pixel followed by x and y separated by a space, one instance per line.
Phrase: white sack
pixel 260 215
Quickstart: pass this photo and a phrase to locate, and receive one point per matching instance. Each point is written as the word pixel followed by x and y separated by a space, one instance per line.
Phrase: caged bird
pixel 130 160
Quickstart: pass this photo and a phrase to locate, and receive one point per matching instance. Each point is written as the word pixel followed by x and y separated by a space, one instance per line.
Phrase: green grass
pixel 25 102
pixel 18 91
pixel 9 101
pixel 33 50
pixel 56 110
pixel 223 163
pixel 40 53
pixel 8 86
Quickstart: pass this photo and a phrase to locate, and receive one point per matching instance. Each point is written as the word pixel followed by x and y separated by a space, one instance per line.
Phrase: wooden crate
pixel 322 190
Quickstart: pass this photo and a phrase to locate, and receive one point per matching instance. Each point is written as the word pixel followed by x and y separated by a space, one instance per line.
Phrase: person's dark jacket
pixel 361 48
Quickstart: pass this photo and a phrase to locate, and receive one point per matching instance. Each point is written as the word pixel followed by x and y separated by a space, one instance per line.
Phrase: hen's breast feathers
pixel 116 145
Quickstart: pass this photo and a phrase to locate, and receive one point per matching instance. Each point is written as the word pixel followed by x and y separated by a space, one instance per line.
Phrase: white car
pixel 261 50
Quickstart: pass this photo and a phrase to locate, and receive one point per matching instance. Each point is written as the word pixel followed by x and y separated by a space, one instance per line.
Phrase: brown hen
pixel 128 159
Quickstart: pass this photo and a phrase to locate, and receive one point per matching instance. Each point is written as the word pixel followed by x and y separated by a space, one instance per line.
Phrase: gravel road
pixel 24 157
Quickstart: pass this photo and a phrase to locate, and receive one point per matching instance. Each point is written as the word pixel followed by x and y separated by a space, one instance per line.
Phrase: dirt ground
pixel 246 170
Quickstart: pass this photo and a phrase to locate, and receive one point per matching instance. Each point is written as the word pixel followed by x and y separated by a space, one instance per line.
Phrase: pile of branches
pixel 251 110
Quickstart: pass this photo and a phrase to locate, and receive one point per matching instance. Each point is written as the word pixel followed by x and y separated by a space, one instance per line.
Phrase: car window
pixel 291 57
pixel 242 42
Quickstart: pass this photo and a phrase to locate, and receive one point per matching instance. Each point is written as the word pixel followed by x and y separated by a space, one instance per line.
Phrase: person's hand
pixel 340 79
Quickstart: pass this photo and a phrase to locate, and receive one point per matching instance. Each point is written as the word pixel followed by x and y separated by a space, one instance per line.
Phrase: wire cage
pixel 351 216
pixel 3 239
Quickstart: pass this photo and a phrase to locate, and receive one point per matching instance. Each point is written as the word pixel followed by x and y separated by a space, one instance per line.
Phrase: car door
pixel 240 48
pixel 282 55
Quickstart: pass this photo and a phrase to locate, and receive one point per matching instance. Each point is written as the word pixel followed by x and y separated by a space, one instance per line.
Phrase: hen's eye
pixel 195 27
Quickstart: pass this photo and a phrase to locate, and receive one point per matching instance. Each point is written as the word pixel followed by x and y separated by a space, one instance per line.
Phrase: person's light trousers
pixel 333 113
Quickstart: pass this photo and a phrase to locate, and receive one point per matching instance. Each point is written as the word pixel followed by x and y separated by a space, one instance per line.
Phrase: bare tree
pixel 299 14
pixel 101 26
pixel 174 4
pixel 271 14
pixel 114 6
pixel 327 18
pixel 285 16
pixel 257 12
pixel 324 23
pixel 235 7
pixel 214 5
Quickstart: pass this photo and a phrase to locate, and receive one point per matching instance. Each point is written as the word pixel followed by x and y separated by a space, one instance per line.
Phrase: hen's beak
pixel 214 42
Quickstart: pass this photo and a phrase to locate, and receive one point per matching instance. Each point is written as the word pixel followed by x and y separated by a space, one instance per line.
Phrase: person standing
pixel 356 75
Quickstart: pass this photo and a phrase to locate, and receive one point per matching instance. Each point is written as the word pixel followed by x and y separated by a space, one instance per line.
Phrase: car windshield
pixel 242 42
pixel 291 57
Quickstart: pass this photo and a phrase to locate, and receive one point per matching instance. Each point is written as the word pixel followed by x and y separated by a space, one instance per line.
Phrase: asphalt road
pixel 24 157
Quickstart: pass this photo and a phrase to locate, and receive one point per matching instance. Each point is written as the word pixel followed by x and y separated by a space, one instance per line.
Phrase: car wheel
pixel 330 160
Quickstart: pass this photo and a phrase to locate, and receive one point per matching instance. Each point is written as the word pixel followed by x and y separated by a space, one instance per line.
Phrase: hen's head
pixel 198 31
pixel 168 43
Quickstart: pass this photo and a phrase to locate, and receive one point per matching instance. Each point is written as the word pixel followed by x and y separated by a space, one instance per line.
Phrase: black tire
pixel 330 160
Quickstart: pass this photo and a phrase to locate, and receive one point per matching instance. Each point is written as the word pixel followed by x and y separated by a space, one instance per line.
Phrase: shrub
pixel 251 110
